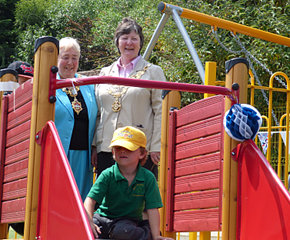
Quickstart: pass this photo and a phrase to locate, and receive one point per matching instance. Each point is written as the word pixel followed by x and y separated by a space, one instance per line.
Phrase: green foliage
pixel 31 12
pixel 93 23
pixel 8 35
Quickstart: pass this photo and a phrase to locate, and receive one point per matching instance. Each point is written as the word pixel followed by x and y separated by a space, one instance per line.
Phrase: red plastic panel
pixel 263 201
pixel 199 129
pixel 61 214
pixel 20 96
pixel 195 154
pixel 208 180
pixel 13 211
pixel 4 108
pixel 204 163
pixel 205 199
pixel 16 171
pixel 196 220
pixel 199 147
pixel 18 134
pixel 17 152
pixel 15 189
pixel 201 110
pixel 20 115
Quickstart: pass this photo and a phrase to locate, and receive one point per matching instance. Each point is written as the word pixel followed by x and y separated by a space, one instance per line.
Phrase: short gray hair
pixel 69 42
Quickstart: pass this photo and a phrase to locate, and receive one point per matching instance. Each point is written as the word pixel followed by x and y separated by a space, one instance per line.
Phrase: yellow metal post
pixel 204 235
pixel 172 99
pixel 210 76
pixel 237 72
pixel 193 236
pixel 42 111
pixel 287 127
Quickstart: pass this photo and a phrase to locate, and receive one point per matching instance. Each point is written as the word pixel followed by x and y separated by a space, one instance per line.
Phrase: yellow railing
pixel 282 126
pixel 229 25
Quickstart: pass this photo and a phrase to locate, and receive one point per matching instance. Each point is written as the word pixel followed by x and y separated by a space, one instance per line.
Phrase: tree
pixel 7 36
pixel 93 23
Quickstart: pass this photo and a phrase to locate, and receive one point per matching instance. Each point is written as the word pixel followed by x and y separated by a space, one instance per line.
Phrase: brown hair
pixel 143 160
pixel 125 27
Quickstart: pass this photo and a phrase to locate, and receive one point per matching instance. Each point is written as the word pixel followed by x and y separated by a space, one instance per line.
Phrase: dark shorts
pixel 122 228
pixel 105 160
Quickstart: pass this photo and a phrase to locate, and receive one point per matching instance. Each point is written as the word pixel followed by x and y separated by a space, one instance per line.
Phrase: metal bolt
pixel 52 99
pixel 54 69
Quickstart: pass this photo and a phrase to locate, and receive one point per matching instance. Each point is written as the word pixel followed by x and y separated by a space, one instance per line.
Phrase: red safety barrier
pixel 61 214
pixel 14 142
pixel 263 201
pixel 195 153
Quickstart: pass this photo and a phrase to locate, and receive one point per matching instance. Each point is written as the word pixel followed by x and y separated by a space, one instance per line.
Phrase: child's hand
pixel 95 228
pixel 96 231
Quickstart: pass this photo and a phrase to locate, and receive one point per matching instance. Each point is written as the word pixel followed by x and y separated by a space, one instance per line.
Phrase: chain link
pixel 256 60
pixel 248 57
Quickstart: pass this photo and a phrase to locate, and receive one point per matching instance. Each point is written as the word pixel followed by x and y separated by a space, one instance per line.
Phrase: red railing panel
pixel 195 156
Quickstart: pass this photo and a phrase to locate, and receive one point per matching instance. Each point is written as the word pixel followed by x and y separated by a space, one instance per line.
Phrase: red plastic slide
pixel 263 201
pixel 61 214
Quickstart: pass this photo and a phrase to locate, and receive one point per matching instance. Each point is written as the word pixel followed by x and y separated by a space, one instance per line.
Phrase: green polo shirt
pixel 116 199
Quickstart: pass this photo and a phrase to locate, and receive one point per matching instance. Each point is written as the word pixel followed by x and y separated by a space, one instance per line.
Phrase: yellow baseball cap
pixel 128 137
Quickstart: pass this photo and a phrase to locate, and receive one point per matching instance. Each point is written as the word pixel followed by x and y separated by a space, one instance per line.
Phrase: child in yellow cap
pixel 122 192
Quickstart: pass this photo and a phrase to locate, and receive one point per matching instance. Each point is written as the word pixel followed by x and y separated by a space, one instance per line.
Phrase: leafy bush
pixel 93 23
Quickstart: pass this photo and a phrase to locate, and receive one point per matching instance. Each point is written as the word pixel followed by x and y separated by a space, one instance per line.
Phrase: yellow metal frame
pixel 286 152
pixel 231 26
pixel 269 128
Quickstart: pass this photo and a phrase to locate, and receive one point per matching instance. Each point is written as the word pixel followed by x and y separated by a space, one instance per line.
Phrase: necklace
pixel 73 92
pixel 117 92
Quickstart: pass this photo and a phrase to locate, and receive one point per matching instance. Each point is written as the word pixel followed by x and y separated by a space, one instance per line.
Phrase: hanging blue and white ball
pixel 242 122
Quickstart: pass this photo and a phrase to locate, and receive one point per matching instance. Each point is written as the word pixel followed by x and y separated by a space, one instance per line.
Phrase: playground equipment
pixel 52 210
pixel 177 13
pixel 205 171
pixel 277 126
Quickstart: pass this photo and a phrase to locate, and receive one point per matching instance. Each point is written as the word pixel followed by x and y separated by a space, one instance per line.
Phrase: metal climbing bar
pixel 155 36
pixel 175 14
pixel 232 94
pixel 225 24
